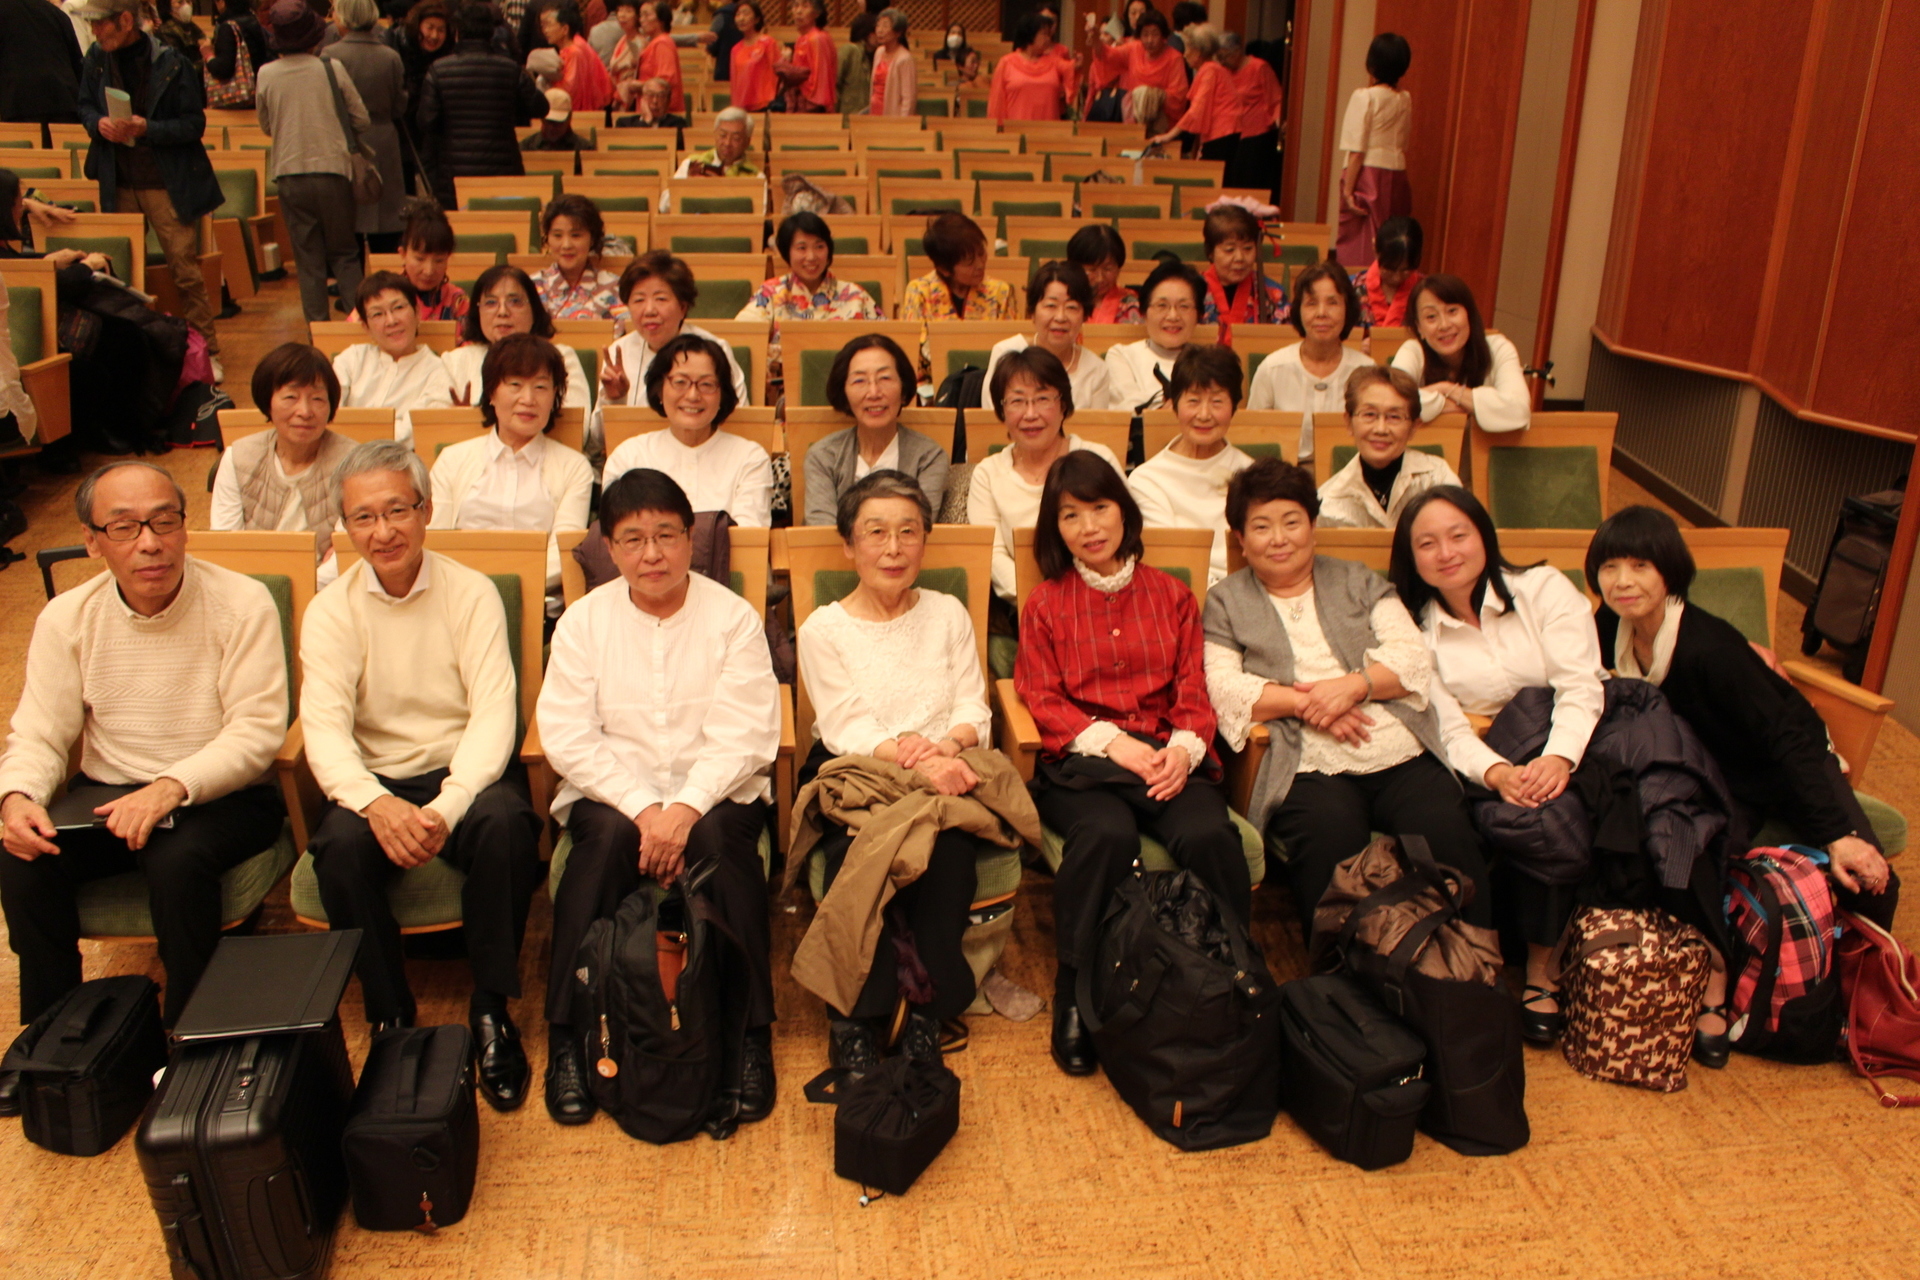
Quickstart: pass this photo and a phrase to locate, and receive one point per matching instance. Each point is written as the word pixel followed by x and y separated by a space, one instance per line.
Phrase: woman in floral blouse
pixel 958 287
pixel 809 290
pixel 575 287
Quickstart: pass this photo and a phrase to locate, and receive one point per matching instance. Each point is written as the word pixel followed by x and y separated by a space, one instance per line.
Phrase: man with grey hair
pixel 655 112
pixel 410 709
pixel 732 133
pixel 170 674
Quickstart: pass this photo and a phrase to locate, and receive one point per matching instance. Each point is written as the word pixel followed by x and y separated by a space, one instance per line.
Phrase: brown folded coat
pixel 894 817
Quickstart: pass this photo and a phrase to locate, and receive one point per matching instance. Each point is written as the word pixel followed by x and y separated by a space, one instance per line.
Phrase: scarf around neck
pixel 1628 664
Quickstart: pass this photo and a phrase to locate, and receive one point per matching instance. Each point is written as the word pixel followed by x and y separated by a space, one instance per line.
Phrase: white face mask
pixel 954 42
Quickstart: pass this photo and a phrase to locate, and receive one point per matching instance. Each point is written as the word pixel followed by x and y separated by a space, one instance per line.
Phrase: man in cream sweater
pixel 171 675
pixel 410 711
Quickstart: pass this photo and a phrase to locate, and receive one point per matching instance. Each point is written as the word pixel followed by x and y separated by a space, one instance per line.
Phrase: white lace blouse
pixel 873 681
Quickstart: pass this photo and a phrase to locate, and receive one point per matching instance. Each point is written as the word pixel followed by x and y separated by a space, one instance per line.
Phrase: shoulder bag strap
pixel 340 108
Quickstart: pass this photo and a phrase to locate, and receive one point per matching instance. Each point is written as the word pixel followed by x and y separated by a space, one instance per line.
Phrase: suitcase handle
pixel 412 1062
pixel 72 1029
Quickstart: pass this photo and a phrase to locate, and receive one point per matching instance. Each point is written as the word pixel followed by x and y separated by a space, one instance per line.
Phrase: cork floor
pixel 1053 1177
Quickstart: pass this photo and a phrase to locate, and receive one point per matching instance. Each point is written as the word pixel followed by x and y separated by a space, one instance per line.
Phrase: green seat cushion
pixel 1119 208
pixel 853 244
pixel 23 323
pixel 1546 487
pixel 720 99
pixel 22 143
pixel 1029 209
pixel 715 204
pixel 1739 595
pixel 830 585
pixel 483 204
pixel 900 171
pixel 1028 247
pixel 654 143
pixel 1185 250
pixel 873 288
pixel 958 360
pixel 421 897
pixel 624 204
pixel 1298 255
pixel 563 850
pixel 1154 855
pixel 1262 449
pixel 934 106
pixel 721 299
pixel 814 367
pixel 1888 823
pixel 743 356
pixel 1001 653
pixel 820 146
pixel 38 171
pixel 488 242
pixel 996 874
pixel 823 169
pixel 976 108
pixel 116 906
pixel 239 192
pixel 119 249
pixel 636 170
pixel 1343 453
pixel 711 244
pixel 1010 175
pixel 919 204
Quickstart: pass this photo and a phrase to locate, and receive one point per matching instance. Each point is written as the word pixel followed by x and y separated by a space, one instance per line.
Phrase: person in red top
pixel 809 76
pixel 1212 116
pixel 1030 83
pixel 751 79
pixel 582 74
pixel 1255 163
pixel 1147 60
pixel 659 57
pixel 1387 286
pixel 1111 665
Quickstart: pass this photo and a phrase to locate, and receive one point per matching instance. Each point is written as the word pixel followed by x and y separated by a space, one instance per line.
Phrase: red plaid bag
pixel 1786 995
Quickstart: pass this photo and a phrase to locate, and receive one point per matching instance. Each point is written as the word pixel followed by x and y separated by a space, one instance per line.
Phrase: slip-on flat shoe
pixel 1540 1026
pixel 1712 1051
pixel 1072 1043
pixel 503 1069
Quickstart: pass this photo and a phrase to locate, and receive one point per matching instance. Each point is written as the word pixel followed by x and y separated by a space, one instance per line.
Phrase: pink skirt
pixel 1381 194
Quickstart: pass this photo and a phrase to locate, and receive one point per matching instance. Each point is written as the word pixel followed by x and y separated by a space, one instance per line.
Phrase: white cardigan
pixel 568 478
pixel 1501 403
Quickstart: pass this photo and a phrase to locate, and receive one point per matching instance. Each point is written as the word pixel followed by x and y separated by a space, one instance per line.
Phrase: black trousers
pixel 1219 148
pixel 183 864
pixel 935 909
pixel 1100 833
pixel 1255 164
pixel 605 867
pixel 1327 818
pixel 497 846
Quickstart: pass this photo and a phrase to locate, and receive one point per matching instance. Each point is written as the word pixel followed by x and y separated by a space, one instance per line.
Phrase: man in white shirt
pixel 660 713
pixel 393 371
pixel 411 710
pixel 170 673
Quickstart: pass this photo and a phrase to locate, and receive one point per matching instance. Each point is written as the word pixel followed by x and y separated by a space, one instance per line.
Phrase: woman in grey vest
pixel 1323 652
pixel 277 479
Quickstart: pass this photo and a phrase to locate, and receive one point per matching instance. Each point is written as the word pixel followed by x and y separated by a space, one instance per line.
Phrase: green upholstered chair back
pixel 23 143
pixel 530 204
pixel 814 367
pixel 721 299
pixel 638 169
pixel 743 356
pixel 787 148
pixel 1738 595
pixel 1028 208
pixel 872 287
pixel 589 365
pixel 934 106
pixel 1040 250
pixel 976 108
pixel 1194 250
pixel 960 359
pixel 830 585
pixel 721 99
pixel 822 169
pixel 281 589
pixel 933 173
pixel 485 242
pixel 927 204
pixel 23 323
pixel 624 204
pixel 119 249
pixel 647 142
pixel 49 171
pixel 1262 449
pixel 1546 487
pixel 1299 255
pixel 1343 454
pixel 1178 572
pixel 510 599
pixel 1009 175
pixel 239 192
pixel 685 203
pixel 679 243
pixel 854 244
pixel 1116 206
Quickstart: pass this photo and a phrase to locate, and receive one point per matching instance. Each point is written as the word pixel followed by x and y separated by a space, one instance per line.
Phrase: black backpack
pixel 1184 1018
pixel 660 1064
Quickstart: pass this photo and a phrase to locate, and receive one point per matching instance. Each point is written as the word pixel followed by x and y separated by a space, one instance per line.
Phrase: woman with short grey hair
pixel 896 83
pixel 381 77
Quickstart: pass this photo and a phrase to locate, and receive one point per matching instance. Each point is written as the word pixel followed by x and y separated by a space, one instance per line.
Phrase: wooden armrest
pixel 1480 723
pixel 47 384
pixel 51 362
pixel 786 772
pixel 293 750
pixel 1019 738
pixel 788 737
pixel 298 789
pixel 1805 675
pixel 531 752
pixel 1242 767
pixel 1853 715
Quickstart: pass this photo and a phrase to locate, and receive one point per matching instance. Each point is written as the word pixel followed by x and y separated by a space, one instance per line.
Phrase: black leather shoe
pixel 1072 1045
pixel 504 1073
pixel 852 1046
pixel 9 1093
pixel 568 1099
pixel 1540 1026
pixel 1712 1051
pixel 758 1088
pixel 921 1039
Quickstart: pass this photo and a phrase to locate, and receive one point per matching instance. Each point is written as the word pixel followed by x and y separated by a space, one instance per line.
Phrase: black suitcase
pixel 87 1064
pixel 413 1141
pixel 1846 601
pixel 1350 1071
pixel 241 1154
pixel 892 1122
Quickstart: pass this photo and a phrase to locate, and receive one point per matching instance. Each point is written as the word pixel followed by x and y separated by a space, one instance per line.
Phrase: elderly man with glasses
pixel 410 710
pixel 170 674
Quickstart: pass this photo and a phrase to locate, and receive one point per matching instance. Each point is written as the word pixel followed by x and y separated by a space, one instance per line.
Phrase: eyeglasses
pixel 1165 308
pixel 164 525
pixel 512 302
pixel 886 378
pixel 1368 417
pixel 680 384
pixel 362 521
pixel 878 538
pixel 1015 407
pixel 634 543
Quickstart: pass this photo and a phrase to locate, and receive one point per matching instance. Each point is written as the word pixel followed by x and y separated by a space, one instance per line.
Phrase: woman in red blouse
pixel 1212 116
pixel 1147 59
pixel 1111 666
pixel 659 57
pixel 1030 83
pixel 751 80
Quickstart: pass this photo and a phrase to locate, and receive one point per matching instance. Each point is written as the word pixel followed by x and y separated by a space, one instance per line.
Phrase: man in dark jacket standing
pixel 151 161
pixel 471 105
pixel 39 63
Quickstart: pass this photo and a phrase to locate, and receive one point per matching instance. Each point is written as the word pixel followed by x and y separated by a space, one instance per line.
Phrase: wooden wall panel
pixel 1432 30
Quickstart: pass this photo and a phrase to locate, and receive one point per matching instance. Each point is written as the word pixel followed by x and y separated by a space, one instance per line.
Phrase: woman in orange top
pixel 1147 60
pixel 1027 83
pixel 751 79
pixel 582 74
pixel 1212 116
pixel 659 57
pixel 810 74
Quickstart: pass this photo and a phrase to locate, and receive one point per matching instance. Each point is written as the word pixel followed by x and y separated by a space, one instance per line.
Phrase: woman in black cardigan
pixel 1769 742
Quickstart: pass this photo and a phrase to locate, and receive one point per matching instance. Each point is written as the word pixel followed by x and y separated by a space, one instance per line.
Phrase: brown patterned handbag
pixel 1631 983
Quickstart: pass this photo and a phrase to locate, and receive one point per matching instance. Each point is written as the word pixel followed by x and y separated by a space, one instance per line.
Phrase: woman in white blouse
pixel 1384 474
pixel 928 707
pixel 1493 630
pixel 1310 377
pixel 1184 486
pixel 687 384
pixel 514 477
pixel 1138 371
pixel 1461 368
pixel 1059 300
pixel 659 290
pixel 505 301
pixel 1033 396
pixel 393 371
pixel 1323 653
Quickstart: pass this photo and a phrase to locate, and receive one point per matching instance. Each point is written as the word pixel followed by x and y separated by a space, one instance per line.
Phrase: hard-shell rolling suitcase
pixel 1350 1072
pixel 86 1065
pixel 413 1141
pixel 1847 598
pixel 240 1149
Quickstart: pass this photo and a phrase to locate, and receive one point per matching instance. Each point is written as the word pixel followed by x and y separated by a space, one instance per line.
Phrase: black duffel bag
pixel 1183 1013
pixel 87 1065
pixel 892 1122
pixel 1350 1072
pixel 412 1141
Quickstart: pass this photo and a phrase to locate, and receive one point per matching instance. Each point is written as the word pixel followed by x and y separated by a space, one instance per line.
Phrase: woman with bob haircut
pixel 1370 492
pixel 1461 368
pixel 1494 629
pixel 574 286
pixel 809 290
pixel 277 479
pixel 1033 396
pixel 1386 287
pixel 1030 83
pixel 658 290
pixel 1238 292
pixel 1184 486
pixel 928 708
pixel 1111 666
pixel 507 302
pixel 1310 376
pixel 1322 651
pixel 1138 372
pixel 1099 251
pixel 514 477
pixel 1770 743
pixel 687 384
pixel 958 287
pixel 870 382
pixel 1059 300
